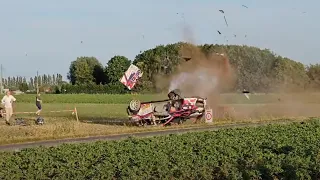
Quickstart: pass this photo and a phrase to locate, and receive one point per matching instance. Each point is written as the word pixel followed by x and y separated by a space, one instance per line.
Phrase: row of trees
pixel 259 70
pixel 45 81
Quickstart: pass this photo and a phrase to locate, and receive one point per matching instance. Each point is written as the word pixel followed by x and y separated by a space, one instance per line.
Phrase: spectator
pixel 38 104
pixel 7 101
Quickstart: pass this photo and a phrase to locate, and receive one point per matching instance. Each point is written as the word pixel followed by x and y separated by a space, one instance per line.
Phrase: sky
pixel 45 36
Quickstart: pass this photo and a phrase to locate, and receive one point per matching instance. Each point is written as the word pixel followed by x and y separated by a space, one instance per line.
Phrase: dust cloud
pixel 207 75
pixel 204 75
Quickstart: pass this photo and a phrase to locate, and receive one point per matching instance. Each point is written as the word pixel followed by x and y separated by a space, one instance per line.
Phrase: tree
pixel 289 75
pixel 23 87
pixel 116 67
pixel 313 72
pixel 83 73
pixel 93 69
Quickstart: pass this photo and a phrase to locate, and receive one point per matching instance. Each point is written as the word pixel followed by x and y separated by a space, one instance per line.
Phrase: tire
pixel 175 94
pixel 134 105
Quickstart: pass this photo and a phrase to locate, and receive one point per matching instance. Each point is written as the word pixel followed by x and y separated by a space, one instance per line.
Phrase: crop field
pixel 269 152
pixel 105 114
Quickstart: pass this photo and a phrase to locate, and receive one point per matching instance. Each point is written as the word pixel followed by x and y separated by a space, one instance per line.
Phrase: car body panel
pixel 166 111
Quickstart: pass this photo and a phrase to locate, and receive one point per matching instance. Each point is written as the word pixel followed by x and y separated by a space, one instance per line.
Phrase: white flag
pixel 130 77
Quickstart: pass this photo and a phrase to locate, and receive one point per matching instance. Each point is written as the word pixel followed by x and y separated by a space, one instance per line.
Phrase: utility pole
pixel 37 83
pixel 1 83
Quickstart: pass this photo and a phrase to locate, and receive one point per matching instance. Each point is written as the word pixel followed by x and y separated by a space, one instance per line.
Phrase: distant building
pixel 17 92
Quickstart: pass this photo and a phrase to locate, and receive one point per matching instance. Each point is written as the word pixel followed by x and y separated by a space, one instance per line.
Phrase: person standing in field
pixel 7 101
pixel 38 104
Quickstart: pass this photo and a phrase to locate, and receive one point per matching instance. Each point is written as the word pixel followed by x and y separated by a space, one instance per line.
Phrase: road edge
pixel 51 143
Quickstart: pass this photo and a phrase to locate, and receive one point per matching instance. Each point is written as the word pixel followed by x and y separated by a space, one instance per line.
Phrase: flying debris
pixel 130 77
pixel 246 93
pixel 225 20
pixel 219 32
pixel 187 58
pixel 81 42
pixel 245 36
pixel 26 54
pixel 235 35
pixel 245 6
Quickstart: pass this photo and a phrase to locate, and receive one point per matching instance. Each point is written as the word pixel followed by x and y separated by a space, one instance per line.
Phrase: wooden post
pixel 76 112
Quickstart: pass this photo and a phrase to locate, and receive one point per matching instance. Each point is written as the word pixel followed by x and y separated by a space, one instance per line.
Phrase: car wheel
pixel 175 94
pixel 134 105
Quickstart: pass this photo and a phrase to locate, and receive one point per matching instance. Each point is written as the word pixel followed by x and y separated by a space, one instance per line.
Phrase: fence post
pixel 75 111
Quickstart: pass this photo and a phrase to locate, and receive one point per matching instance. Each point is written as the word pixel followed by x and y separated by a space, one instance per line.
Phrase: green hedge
pixel 271 152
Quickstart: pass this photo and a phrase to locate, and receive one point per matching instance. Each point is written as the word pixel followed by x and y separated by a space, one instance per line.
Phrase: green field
pixel 100 119
pixel 105 114
pixel 270 152
pixel 125 99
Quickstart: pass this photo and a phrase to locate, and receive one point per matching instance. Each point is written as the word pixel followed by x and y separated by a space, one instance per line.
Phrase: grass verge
pixel 72 129
pixel 126 98
pixel 104 120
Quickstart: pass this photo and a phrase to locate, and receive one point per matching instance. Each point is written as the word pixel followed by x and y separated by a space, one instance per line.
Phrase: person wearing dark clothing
pixel 38 104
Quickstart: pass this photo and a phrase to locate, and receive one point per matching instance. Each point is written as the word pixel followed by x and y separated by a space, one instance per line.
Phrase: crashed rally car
pixel 174 110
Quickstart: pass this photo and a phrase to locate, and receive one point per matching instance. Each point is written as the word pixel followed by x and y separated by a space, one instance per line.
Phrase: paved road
pixel 17 147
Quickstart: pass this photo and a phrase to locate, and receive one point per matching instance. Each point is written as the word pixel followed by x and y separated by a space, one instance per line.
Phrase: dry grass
pixel 64 125
pixel 71 129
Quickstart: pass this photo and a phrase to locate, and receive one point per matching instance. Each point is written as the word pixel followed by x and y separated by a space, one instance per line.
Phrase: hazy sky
pixel 50 32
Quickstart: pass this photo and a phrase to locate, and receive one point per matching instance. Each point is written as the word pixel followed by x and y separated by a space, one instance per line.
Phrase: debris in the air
pixel 224 16
pixel 225 20
pixel 235 35
pixel 219 32
pixel 187 58
pixel 246 93
pixel 81 42
pixel 26 54
pixel 245 35
pixel 245 6
pixel 304 12
pixel 130 77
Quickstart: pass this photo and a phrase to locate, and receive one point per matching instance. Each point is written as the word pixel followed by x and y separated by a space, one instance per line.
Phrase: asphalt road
pixel 17 147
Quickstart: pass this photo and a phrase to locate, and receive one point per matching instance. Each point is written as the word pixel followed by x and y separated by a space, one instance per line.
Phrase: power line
pixel 1 83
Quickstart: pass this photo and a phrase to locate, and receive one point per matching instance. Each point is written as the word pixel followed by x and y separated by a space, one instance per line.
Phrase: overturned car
pixel 174 110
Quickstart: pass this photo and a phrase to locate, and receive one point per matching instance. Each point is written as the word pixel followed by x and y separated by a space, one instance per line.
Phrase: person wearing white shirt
pixel 7 101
